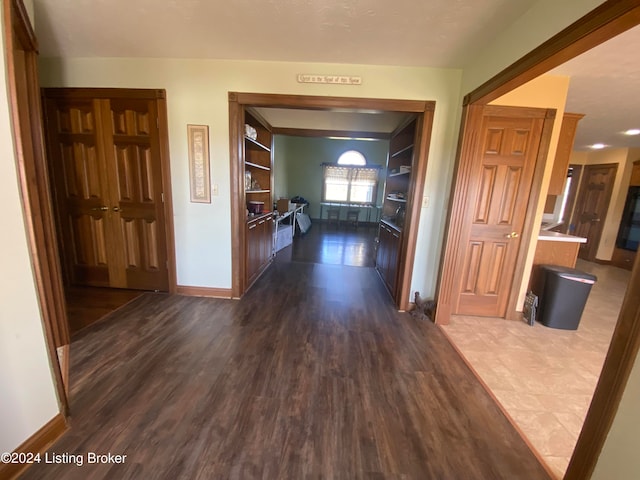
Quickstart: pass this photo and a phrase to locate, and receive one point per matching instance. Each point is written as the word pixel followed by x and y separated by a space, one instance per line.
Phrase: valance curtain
pixel 349 184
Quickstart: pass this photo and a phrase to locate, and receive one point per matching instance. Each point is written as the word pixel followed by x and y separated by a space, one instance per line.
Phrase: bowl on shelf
pixel 255 207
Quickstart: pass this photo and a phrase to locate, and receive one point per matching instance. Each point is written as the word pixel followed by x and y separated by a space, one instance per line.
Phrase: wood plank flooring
pixel 329 244
pixel 312 375
pixel 87 305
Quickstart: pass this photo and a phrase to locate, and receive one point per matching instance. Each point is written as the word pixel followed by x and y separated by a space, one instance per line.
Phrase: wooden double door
pixel 105 152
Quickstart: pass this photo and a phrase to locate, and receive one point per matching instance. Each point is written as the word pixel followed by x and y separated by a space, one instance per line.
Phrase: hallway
pixel 312 374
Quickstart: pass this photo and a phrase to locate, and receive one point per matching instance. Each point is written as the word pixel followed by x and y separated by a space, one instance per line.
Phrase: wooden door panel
pixel 592 205
pixel 136 179
pixel 88 250
pixel 495 211
pixel 108 178
pixel 81 191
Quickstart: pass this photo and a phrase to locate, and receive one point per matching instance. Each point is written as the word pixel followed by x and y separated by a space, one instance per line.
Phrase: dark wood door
pixel 135 181
pixel 592 205
pixel 78 171
pixel 107 174
pixel 496 209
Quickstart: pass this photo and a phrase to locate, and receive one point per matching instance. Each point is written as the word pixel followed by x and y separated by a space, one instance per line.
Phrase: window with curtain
pixel 349 184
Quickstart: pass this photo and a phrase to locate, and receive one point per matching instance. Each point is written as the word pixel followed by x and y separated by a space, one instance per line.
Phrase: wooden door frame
pixel 452 259
pixel 36 197
pixel 603 23
pixel 238 101
pixel 160 97
pixel 593 248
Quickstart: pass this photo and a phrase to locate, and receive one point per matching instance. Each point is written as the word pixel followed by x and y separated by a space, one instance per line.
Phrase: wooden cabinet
pixel 258 183
pixel 399 186
pixel 259 237
pixel 388 255
pixel 563 152
pixel 635 175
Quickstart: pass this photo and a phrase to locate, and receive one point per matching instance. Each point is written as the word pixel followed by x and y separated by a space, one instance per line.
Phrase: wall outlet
pixel 425 201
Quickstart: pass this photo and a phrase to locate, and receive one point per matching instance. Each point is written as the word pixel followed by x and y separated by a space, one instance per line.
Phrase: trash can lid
pixel 569 273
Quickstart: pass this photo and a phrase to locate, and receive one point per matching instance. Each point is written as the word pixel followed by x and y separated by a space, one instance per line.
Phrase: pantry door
pixel 105 160
pixel 509 140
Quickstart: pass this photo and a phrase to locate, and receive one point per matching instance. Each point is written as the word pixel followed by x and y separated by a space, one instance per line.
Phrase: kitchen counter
pixel 559 237
pixel 555 248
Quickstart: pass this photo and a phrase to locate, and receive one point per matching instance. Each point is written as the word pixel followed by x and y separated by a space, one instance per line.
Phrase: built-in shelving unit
pixel 397 191
pixel 258 164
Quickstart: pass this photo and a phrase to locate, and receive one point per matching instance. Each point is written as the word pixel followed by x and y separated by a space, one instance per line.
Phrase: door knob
pixel 103 208
pixel 512 235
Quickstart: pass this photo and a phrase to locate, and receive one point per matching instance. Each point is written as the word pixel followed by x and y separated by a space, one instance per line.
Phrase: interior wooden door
pixel 592 205
pixel 496 209
pixel 80 188
pixel 106 164
pixel 134 175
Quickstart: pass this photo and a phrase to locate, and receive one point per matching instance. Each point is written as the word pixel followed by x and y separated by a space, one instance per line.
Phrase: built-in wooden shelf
pixel 402 150
pixel 401 200
pixel 257 191
pixel 399 174
pixel 255 165
pixel 255 143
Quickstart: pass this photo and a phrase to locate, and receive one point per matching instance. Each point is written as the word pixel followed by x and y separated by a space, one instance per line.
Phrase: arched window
pixel 350 180
pixel 352 157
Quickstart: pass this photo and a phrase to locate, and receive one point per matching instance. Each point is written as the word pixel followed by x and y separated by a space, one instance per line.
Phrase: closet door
pixel 135 179
pixel 80 189
pixel 106 164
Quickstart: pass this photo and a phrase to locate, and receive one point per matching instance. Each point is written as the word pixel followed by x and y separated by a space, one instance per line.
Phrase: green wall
pixel 298 165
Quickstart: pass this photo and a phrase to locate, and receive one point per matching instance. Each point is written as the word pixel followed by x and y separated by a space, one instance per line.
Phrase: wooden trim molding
pixel 312 102
pixel 603 23
pixel 467 144
pixel 620 359
pixel 305 132
pixel 33 177
pixel 163 127
pixel 414 205
pixel 204 292
pixel 39 442
pixel 239 101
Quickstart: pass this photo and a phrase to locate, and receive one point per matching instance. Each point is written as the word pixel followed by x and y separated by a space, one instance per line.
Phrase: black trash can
pixel 562 293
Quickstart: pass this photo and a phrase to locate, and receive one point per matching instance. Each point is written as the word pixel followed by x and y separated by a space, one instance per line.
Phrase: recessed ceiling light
pixel 633 131
pixel 598 146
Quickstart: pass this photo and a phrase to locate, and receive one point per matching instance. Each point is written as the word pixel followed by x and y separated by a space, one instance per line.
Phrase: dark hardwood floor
pixel 313 374
pixel 329 244
pixel 87 305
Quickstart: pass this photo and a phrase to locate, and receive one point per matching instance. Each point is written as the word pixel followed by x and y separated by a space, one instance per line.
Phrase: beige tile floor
pixel 543 377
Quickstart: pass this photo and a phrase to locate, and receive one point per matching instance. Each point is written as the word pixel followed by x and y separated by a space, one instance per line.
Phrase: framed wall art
pixel 199 174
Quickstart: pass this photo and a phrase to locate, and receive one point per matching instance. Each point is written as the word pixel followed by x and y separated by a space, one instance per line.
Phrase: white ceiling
pixel 605 86
pixel 434 33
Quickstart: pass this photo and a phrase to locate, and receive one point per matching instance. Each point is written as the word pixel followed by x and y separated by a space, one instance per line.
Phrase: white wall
pixel 619 459
pixel 541 22
pixel 197 93
pixel 28 398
